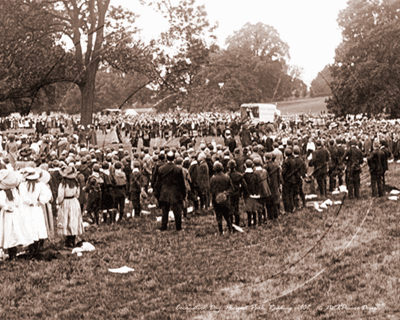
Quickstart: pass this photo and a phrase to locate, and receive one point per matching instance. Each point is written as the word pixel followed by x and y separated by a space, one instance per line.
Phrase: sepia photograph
pixel 199 159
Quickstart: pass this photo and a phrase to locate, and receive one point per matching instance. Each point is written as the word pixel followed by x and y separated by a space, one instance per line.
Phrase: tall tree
pixel 366 72
pixel 85 23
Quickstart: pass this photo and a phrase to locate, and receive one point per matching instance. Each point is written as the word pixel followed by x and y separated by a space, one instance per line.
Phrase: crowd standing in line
pixel 49 181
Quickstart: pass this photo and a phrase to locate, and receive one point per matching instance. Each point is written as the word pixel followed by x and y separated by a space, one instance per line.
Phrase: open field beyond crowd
pixel 335 264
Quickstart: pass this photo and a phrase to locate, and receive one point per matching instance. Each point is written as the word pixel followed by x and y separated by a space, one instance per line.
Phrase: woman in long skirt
pixel 14 231
pixel 35 194
pixel 70 223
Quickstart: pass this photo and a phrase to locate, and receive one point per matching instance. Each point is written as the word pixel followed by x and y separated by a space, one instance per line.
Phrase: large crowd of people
pixel 51 179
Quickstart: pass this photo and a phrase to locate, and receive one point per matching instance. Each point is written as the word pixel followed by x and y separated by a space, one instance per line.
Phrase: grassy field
pixel 335 264
pixel 313 106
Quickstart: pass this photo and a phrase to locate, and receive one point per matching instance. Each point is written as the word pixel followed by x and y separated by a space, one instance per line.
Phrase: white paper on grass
pixel 342 189
pixel 316 206
pixel 86 247
pixel 159 219
pixel 336 192
pixel 323 206
pixel 237 227
pixel 390 161
pixel 190 209
pixel 311 196
pixel 398 161
pixel 171 216
pixel 394 198
pixel 337 202
pixel 395 192
pixel 123 269
pixel 86 224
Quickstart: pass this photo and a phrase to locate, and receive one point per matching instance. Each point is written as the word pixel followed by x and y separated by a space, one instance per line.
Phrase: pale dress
pixel 70 221
pixel 14 227
pixel 31 206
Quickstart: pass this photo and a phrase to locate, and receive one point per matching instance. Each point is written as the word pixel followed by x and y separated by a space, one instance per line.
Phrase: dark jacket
pixel 376 162
pixel 353 158
pixel 170 184
pixel 320 160
pixel 275 180
pixel 220 182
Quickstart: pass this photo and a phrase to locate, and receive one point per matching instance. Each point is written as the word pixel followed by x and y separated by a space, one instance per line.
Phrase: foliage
pixel 366 72
pixel 319 86
pixel 31 55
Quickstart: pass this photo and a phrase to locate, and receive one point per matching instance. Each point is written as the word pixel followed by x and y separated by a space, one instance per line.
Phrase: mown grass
pixel 196 274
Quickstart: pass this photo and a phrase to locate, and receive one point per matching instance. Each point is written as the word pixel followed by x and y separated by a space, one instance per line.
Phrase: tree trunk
pixel 87 92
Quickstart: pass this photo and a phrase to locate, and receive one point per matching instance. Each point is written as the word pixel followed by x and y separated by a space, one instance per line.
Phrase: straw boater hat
pixel 68 172
pixel 44 176
pixel 9 179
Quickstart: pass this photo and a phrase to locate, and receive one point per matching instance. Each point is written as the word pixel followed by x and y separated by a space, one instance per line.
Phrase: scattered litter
pixel 126 201
pixel 311 196
pixel 146 212
pixel 171 216
pixel 398 161
pixel 316 206
pixel 394 198
pixel 123 269
pixel 337 202
pixel 237 227
pixel 79 254
pixel 395 192
pixel 253 196
pixel 343 189
pixel 390 161
pixel 159 219
pixel 328 202
pixel 190 209
pixel 151 206
pixel 86 224
pixel 323 206
pixel 336 192
pixel 128 215
pixel 86 246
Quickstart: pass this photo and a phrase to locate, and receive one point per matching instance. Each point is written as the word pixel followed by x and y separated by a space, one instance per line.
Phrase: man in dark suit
pixel 376 163
pixel 170 191
pixel 320 160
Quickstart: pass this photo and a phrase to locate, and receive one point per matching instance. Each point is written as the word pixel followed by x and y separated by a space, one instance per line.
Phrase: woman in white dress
pixel 70 223
pixel 14 230
pixel 35 194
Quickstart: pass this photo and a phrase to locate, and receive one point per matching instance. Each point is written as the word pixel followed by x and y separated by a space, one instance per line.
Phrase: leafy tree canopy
pixel 366 72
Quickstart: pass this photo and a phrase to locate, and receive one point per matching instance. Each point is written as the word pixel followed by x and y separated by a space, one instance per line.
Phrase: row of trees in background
pixel 365 77
pixel 109 66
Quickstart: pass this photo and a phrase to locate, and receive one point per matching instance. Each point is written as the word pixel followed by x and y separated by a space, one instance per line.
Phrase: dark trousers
pixel 119 204
pixel 135 197
pixel 298 191
pixel 235 209
pixel 94 205
pixel 377 185
pixel 321 181
pixel 176 209
pixel 353 184
pixel 251 216
pixel 204 202
pixel 288 197
pixel 223 211
pixel 262 216
pixel 332 181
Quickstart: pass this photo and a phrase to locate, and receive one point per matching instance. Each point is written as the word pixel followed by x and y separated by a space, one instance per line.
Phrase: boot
pixel 113 214
pixel 41 245
pixel 72 241
pixel 12 253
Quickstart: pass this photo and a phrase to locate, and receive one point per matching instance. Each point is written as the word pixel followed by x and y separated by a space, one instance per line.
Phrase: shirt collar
pixel 249 170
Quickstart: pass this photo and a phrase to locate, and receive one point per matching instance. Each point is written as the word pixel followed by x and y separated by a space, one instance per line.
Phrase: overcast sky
pixel 309 27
